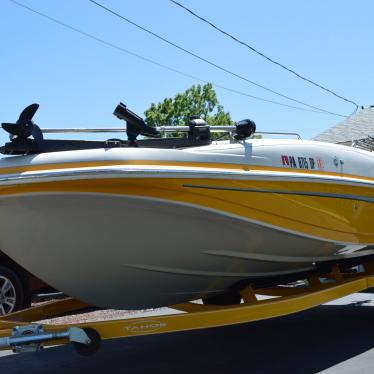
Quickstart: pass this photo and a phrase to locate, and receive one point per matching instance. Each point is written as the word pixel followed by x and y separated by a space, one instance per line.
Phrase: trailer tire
pixel 13 285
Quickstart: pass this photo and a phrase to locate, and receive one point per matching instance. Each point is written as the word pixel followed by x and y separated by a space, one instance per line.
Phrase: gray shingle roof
pixel 357 126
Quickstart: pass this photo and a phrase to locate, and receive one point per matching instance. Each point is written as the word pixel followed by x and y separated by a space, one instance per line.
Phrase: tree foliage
pixel 197 100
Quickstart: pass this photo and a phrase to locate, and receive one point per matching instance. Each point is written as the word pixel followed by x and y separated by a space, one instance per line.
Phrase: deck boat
pixel 152 222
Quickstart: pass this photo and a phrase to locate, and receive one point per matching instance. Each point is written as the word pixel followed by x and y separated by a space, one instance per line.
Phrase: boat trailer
pixel 21 332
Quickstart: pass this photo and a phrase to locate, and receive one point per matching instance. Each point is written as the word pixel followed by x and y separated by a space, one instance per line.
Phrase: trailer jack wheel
pixel 92 347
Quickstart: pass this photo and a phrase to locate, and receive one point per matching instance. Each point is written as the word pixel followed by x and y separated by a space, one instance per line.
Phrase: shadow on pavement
pixel 306 342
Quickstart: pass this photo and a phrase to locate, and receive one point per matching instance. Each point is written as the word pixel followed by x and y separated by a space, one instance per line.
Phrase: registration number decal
pixel 300 162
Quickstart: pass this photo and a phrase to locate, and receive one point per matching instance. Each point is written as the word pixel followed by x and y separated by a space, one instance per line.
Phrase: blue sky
pixel 78 81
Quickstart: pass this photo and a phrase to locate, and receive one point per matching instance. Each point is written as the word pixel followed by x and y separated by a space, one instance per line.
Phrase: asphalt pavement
pixel 337 337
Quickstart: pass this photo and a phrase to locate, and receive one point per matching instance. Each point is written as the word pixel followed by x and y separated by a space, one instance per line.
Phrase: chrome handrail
pixel 162 129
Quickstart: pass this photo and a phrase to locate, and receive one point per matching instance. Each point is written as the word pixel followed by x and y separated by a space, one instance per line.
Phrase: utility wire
pixel 263 55
pixel 206 60
pixel 119 48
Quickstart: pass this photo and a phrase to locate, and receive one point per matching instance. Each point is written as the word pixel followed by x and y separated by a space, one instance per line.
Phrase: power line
pixel 119 48
pixel 206 60
pixel 263 55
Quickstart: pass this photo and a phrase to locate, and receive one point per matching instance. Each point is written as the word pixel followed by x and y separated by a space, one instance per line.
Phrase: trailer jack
pixel 31 338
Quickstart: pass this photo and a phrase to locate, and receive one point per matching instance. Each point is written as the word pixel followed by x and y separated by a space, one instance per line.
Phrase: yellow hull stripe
pixel 332 218
pixel 228 166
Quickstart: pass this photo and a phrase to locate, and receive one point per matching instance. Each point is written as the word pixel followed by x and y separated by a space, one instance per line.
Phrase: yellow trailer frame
pixel 18 330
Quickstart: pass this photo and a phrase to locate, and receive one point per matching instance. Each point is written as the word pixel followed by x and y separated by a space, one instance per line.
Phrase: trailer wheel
pixel 227 298
pixel 91 348
pixel 14 291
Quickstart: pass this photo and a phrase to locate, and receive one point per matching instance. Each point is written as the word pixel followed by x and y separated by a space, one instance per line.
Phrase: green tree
pixel 197 100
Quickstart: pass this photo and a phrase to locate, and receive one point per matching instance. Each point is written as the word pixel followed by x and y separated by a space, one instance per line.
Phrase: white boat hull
pixel 128 252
